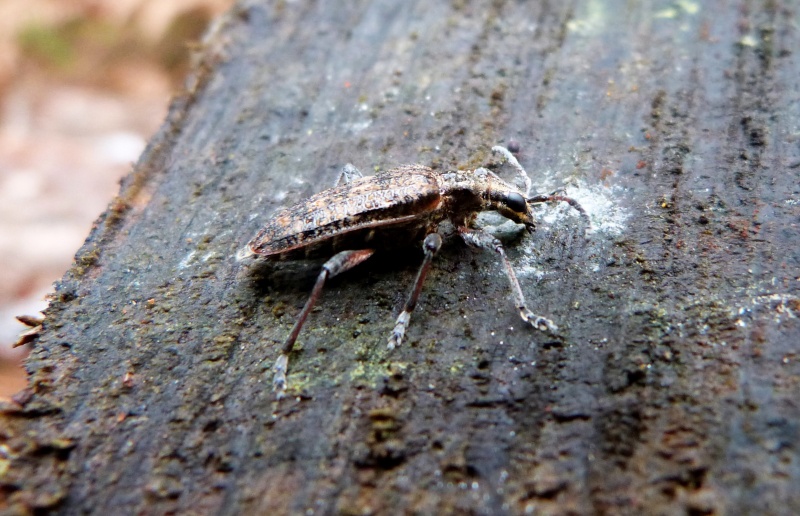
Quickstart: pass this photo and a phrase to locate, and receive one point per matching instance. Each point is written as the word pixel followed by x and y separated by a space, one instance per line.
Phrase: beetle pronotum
pixel 363 214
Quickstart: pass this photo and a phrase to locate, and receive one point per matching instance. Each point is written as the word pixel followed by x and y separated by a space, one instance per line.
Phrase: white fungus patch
pixel 607 217
pixel 608 220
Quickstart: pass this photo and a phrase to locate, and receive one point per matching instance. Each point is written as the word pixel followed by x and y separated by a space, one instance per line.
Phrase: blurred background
pixel 83 85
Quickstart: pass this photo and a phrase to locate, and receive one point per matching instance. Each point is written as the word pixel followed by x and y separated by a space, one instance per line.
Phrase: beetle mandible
pixel 394 208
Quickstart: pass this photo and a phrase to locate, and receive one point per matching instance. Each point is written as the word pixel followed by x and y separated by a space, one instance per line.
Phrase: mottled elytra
pixel 396 208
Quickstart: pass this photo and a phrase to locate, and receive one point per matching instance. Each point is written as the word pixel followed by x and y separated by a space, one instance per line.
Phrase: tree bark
pixel 671 386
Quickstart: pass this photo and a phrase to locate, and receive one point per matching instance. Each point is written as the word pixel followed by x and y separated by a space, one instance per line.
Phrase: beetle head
pixel 508 201
pixel 512 205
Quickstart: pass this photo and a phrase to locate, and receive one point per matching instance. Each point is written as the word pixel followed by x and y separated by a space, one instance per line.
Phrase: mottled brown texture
pixel 387 211
pixel 671 387
pixel 353 212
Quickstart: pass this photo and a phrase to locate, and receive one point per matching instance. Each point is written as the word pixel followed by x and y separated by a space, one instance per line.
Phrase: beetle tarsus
pixel 279 380
pixel 537 321
pixel 478 238
pixel 399 329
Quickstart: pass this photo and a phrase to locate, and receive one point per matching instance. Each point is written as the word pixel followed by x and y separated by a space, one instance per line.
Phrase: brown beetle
pixel 404 205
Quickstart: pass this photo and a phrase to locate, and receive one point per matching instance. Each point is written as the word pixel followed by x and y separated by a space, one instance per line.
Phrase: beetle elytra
pixel 395 208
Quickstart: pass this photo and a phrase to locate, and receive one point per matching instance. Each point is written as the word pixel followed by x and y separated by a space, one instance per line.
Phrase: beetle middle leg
pixel 339 263
pixel 484 240
pixel 431 246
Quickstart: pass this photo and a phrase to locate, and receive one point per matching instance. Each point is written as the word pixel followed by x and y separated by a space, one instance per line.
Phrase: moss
pixel 85 260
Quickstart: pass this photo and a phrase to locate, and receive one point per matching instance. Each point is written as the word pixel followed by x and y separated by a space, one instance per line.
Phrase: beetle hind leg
pixel 484 240
pixel 431 246
pixel 338 264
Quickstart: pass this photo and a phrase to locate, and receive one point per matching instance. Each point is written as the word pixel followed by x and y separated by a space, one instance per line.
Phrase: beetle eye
pixel 516 202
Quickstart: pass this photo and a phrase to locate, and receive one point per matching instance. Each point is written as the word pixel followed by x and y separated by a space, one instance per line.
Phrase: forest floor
pixel 83 85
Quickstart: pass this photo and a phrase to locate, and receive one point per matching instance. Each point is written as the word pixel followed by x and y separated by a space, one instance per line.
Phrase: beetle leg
pixel 484 240
pixel 339 263
pixel 348 174
pixel 431 246
pixel 512 160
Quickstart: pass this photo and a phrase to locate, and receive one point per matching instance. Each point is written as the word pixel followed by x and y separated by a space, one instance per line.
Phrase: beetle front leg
pixel 338 264
pixel 484 240
pixel 431 246
pixel 512 160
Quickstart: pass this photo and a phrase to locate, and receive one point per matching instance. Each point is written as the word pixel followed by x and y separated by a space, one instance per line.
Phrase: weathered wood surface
pixel 671 388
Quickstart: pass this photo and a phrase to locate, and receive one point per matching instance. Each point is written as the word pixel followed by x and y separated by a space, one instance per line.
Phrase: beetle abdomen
pixel 396 197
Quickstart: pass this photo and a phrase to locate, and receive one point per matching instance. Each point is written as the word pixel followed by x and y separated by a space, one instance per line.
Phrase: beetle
pixel 395 208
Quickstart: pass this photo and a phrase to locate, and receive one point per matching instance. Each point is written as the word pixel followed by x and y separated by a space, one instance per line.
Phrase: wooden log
pixel 670 388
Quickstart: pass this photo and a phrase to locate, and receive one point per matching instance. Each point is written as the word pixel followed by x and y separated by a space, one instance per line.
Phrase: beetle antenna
pixel 557 197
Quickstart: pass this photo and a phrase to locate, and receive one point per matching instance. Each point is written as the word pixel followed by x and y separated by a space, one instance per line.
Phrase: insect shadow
pixel 285 278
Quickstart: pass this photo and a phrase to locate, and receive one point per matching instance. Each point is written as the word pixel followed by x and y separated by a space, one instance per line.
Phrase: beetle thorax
pixel 466 193
pixel 461 195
